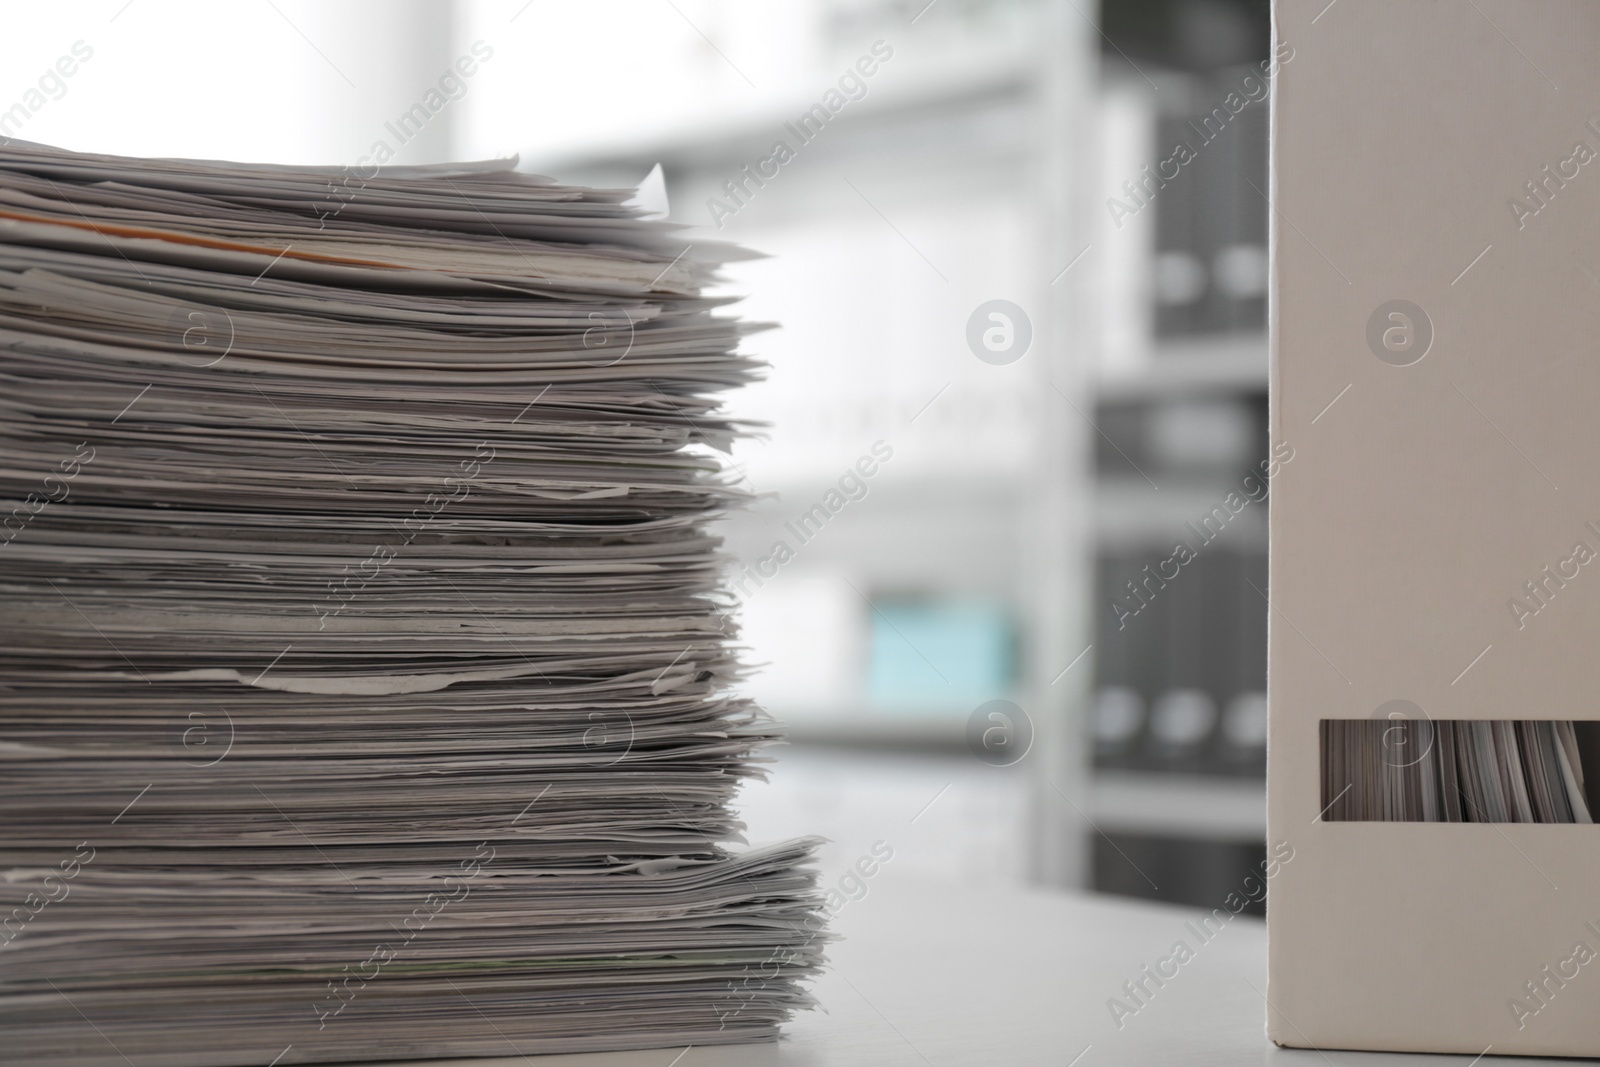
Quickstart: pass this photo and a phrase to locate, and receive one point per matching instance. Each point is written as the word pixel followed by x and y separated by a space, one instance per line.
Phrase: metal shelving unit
pixel 961 173
pixel 1195 806
pixel 1197 366
pixel 1205 807
pixel 995 140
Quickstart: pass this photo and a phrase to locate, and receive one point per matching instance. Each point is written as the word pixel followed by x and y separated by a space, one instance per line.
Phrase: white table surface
pixel 932 976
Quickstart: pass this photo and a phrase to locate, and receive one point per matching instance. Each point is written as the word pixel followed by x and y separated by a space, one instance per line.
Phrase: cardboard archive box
pixel 1435 334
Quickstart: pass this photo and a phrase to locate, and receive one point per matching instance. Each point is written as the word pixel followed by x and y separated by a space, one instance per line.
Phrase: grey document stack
pixel 364 660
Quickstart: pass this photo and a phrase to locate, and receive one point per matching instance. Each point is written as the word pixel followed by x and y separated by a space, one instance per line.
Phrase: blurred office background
pixel 956 530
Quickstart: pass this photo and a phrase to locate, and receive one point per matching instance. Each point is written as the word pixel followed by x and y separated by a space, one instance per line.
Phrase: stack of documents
pixel 1453 770
pixel 364 658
